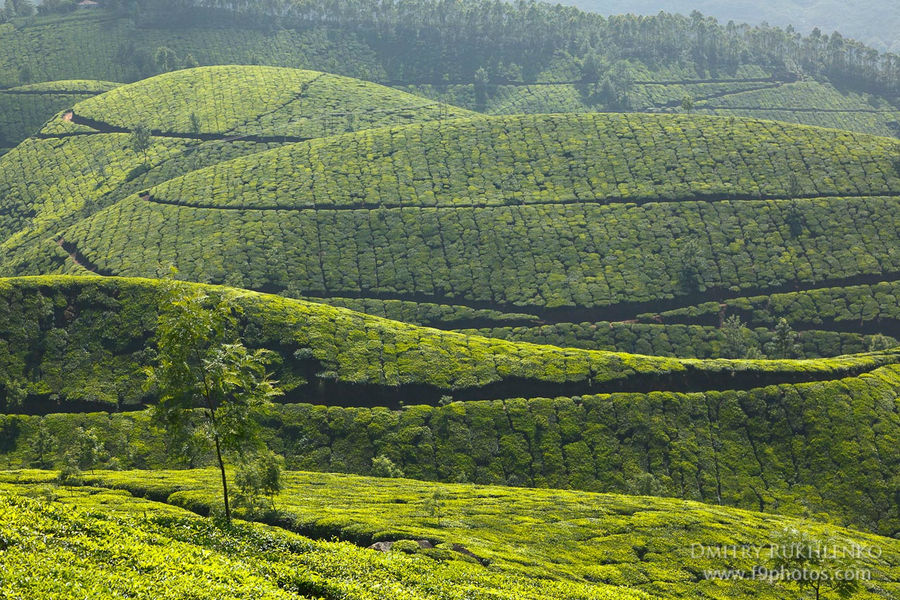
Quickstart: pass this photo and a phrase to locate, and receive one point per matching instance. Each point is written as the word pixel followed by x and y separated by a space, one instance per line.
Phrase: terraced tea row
pixel 550 159
pixel 573 262
pixel 694 341
pixel 875 307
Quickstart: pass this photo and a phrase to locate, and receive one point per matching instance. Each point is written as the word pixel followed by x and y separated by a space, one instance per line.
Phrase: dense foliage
pixel 699 341
pixel 864 20
pixel 84 339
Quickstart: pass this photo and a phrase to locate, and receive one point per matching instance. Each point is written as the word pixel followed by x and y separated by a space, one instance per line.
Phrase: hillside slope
pixel 627 423
pixel 83 159
pixel 567 217
pixel 108 545
pixel 521 543
pixel 481 222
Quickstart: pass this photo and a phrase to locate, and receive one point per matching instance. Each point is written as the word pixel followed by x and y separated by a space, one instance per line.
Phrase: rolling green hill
pixel 479 222
pixel 82 160
pixel 561 545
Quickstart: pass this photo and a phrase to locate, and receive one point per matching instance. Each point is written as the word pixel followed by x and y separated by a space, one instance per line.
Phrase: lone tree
pixel 141 139
pixel 207 380
pixel 735 343
pixel 166 59
pixel 785 343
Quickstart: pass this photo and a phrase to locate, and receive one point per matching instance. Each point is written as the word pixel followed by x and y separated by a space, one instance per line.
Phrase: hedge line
pixel 863 306
pixel 695 341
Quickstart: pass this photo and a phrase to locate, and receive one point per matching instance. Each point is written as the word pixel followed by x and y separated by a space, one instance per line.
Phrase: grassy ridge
pixel 567 539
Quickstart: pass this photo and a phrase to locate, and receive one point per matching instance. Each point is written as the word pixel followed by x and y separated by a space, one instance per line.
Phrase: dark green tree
pixel 735 343
pixel 382 466
pixel 693 264
pixel 26 75
pixel 166 59
pixel 206 378
pixel 258 475
pixel 42 445
pixel 87 449
pixel 195 125
pixel 687 104
pixel 784 344
pixel 481 82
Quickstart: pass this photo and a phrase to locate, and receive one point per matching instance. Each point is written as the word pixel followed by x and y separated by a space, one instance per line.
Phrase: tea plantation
pixel 467 300
pixel 86 542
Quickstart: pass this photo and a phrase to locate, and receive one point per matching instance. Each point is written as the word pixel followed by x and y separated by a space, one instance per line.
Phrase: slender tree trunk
pixel 224 480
